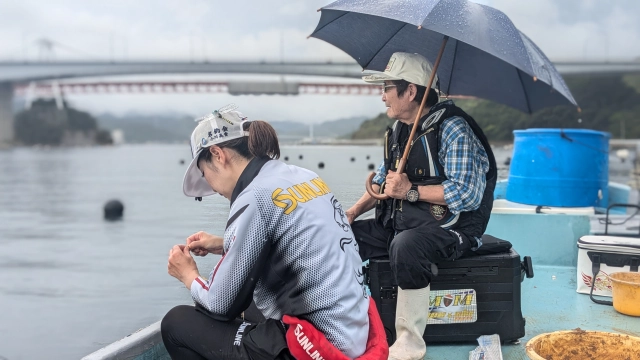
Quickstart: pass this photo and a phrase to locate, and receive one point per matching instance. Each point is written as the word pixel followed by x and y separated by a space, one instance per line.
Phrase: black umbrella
pixel 476 49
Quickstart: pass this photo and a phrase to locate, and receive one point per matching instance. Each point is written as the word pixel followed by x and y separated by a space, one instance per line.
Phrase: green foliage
pixel 103 137
pixel 45 124
pixel 80 121
pixel 373 128
pixel 609 103
pixel 632 80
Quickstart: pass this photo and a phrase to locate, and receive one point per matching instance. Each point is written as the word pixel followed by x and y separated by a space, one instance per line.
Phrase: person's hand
pixel 181 265
pixel 351 215
pixel 202 243
pixel 397 185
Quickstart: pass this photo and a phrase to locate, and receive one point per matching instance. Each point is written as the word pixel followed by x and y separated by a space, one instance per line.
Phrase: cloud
pixel 173 29
pixel 162 29
pixel 578 29
pixel 296 8
pixel 264 30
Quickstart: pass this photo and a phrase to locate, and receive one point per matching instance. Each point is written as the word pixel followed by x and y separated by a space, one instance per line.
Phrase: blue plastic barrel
pixel 559 167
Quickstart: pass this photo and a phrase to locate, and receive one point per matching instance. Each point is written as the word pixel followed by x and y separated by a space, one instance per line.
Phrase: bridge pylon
pixel 6 115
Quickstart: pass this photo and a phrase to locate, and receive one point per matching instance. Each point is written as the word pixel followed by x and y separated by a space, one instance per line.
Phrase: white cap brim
pixel 194 184
pixel 379 78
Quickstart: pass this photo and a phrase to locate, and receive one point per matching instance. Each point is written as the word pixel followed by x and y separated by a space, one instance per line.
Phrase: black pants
pixel 188 334
pixel 413 253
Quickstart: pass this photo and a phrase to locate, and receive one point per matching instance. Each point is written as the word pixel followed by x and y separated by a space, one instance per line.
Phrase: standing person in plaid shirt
pixel 439 206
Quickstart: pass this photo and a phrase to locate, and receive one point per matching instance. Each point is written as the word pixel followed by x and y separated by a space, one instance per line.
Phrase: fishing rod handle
pixel 372 192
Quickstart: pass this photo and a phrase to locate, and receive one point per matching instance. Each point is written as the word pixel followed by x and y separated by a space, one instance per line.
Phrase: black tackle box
pixel 470 297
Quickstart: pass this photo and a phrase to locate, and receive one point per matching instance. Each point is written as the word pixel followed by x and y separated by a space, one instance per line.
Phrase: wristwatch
pixel 413 194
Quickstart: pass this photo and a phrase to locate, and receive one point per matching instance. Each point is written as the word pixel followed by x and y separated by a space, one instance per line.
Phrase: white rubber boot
pixel 412 311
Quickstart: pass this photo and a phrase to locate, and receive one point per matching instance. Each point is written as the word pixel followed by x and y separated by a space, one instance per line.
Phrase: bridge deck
pixel 35 71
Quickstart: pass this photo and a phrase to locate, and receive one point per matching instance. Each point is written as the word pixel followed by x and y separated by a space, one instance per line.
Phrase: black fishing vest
pixel 424 168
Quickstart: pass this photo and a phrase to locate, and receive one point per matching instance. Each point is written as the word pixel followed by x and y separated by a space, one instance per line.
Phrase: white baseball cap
pixel 413 68
pixel 219 126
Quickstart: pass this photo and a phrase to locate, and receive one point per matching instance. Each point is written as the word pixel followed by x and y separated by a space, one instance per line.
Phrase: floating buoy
pixel 623 154
pixel 181 161
pixel 372 166
pixel 353 159
pixel 321 165
pixel 286 158
pixel 113 210
pixel 300 156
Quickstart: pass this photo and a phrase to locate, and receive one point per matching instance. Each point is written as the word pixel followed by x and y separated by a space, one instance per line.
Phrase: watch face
pixel 412 195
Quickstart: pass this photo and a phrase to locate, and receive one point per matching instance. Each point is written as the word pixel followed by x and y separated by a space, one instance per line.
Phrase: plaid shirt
pixel 465 165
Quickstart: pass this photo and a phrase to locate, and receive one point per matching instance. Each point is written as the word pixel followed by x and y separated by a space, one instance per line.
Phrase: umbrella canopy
pixel 486 55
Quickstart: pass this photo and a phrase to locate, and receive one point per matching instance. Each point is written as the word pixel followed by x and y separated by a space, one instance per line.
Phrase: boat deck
pixel 550 304
pixel 549 299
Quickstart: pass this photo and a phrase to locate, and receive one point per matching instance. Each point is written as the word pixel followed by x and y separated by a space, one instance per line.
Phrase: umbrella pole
pixel 405 155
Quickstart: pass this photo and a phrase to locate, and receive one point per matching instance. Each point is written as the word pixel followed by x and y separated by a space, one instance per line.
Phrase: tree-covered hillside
pixel 44 124
pixel 373 128
pixel 609 103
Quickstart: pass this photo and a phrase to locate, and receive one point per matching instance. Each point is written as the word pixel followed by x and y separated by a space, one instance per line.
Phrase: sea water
pixel 71 282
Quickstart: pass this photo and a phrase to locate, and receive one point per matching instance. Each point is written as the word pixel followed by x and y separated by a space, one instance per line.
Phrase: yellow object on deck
pixel 626 292
pixel 581 344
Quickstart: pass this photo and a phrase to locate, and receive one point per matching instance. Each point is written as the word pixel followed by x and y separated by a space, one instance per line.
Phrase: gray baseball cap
pixel 413 68
pixel 219 126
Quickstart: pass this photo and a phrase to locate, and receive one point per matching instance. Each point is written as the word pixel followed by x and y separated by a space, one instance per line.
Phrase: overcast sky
pixel 270 30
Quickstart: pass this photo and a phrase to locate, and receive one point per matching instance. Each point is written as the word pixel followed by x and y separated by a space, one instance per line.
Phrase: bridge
pixel 53 89
pixel 18 74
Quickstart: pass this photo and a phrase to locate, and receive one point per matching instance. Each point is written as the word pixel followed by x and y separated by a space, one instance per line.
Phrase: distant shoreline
pixel 358 142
